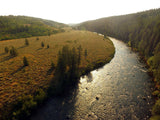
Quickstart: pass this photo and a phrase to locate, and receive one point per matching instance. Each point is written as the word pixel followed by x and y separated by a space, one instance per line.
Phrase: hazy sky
pixel 74 11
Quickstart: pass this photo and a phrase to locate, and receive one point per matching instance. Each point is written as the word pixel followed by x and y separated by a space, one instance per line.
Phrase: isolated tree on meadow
pixel 48 46
pixel 25 61
pixel 6 49
pixel 42 44
pixel 13 52
pixel 26 42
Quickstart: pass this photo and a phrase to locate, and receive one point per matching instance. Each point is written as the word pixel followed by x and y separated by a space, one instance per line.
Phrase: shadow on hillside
pixel 22 47
pixel 2 54
pixel 19 69
pixel 50 71
pixel 39 49
pixel 6 58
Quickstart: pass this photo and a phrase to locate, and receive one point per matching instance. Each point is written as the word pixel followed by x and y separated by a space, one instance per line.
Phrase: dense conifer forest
pixel 141 31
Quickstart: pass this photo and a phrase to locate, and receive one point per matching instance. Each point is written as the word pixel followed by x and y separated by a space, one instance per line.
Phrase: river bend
pixel 121 90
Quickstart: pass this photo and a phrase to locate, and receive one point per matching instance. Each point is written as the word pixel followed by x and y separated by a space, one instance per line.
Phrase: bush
pixel 156 108
pixel 26 42
pixel 47 46
pixel 6 49
pixel 88 68
pixel 25 61
pixel 13 52
pixel 42 44
pixel 23 107
pixel 157 117
pixel 40 96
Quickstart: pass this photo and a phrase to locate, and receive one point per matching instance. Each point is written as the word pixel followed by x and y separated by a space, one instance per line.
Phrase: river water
pixel 121 90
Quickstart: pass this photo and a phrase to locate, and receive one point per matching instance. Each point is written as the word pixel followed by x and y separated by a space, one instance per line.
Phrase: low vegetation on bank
pixel 41 66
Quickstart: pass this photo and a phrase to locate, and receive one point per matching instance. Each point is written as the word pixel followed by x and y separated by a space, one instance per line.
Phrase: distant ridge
pixel 12 27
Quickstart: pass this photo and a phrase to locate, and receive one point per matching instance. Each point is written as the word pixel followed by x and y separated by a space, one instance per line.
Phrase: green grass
pixel 17 79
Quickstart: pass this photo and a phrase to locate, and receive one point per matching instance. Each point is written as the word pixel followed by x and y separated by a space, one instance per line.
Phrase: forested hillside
pixel 12 27
pixel 140 30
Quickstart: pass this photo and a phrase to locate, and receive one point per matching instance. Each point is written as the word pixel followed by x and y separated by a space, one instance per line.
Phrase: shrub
pixel 48 46
pixel 13 52
pixel 42 44
pixel 156 108
pixel 6 49
pixel 23 107
pixel 40 96
pixel 25 61
pixel 37 38
pixel 26 42
pixel 88 68
pixel 157 117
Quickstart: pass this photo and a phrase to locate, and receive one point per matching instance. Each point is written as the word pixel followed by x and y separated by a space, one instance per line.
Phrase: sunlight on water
pixel 121 90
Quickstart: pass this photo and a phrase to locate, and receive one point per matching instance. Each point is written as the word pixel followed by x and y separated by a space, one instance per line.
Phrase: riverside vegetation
pixel 43 66
pixel 141 31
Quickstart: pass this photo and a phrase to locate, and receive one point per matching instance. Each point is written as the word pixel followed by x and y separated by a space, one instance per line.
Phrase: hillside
pixel 12 27
pixel 141 31
pixel 18 81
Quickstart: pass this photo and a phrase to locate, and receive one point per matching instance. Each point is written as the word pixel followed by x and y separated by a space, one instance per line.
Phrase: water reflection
pixel 118 91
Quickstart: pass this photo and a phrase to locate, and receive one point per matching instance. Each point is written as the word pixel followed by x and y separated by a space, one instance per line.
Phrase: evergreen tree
pixel 73 66
pixel 48 46
pixel 26 42
pixel 67 66
pixel 42 44
pixel 6 49
pixel 25 61
pixel 13 52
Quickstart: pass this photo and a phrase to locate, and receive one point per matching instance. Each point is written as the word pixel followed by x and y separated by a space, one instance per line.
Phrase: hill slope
pixel 12 27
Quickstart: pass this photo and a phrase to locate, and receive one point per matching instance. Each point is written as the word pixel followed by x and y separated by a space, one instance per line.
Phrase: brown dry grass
pixel 16 80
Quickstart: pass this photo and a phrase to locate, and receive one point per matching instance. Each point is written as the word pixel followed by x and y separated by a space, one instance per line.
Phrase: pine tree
pixel 48 46
pixel 42 44
pixel 25 61
pixel 13 52
pixel 26 42
pixel 6 49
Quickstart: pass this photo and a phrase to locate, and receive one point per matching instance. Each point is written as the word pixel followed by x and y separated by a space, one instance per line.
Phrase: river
pixel 121 90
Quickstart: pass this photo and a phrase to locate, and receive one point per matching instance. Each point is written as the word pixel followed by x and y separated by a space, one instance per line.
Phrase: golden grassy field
pixel 16 80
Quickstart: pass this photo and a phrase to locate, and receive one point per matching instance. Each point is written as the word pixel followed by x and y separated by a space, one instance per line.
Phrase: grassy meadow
pixel 16 80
